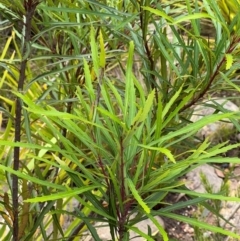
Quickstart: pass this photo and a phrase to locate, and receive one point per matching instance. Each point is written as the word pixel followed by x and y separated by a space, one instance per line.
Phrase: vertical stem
pixel 144 21
pixel 16 167
pixel 30 6
pixel 124 211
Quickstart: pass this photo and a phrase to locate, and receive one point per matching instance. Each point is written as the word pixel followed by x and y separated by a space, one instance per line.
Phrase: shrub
pixel 118 144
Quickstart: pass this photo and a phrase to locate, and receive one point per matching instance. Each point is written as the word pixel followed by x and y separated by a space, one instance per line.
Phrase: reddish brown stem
pixel 212 78
pixel 30 6
pixel 122 213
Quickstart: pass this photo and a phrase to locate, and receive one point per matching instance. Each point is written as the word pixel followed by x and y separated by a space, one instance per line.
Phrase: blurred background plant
pixel 109 89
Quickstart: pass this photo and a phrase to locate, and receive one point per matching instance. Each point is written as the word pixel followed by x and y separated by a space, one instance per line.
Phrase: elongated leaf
pixel 230 82
pixel 159 13
pixel 216 151
pixel 229 61
pixel 32 179
pixel 155 180
pixel 142 234
pixel 233 160
pixel 102 56
pixel 91 228
pixel 178 108
pixel 194 127
pixel 117 95
pixel 206 195
pixel 191 17
pixel 94 51
pixel 39 220
pixel 85 11
pixel 88 81
pixel 160 228
pixel 200 224
pixel 129 104
pixel 171 101
pixel 144 112
pixel 162 150
pixel 61 195
pixel 137 196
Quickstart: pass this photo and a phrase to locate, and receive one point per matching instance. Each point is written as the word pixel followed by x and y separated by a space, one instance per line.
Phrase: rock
pixel 214 130
pixel 194 179
pixel 231 210
pixel 218 131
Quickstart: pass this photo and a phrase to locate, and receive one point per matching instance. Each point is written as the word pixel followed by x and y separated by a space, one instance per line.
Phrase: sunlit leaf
pixel 137 196
pixel 61 195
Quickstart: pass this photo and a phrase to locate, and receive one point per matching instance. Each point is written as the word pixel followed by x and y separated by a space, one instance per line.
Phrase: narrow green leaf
pixel 230 82
pixel 137 196
pixel 204 225
pixel 111 116
pixel 229 61
pixel 32 179
pixel 233 160
pixel 83 102
pixel 156 180
pixel 194 127
pixel 91 228
pixel 142 234
pixel 94 52
pixel 171 102
pixel 38 221
pixel 159 119
pixel 176 110
pixel 129 105
pixel 163 150
pixel 88 81
pixel 160 228
pixel 117 95
pixel 217 151
pixel 61 195
pixel 159 13
pixel 119 16
pixel 190 17
pixel 107 98
pixel 147 107
pixel 102 56
pixel 139 170
pixel 206 195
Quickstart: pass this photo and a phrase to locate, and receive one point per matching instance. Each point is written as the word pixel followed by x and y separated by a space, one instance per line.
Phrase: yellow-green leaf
pixel 137 196
pixel 102 51
pixel 229 61
pixel 159 13
pixel 60 195
pixel 94 51
pixel 165 151
pixel 88 80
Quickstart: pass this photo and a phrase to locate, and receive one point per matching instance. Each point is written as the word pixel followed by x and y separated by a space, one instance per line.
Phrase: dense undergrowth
pixel 96 100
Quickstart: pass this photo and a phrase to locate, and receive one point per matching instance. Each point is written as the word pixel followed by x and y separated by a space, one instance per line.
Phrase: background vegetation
pixel 96 100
